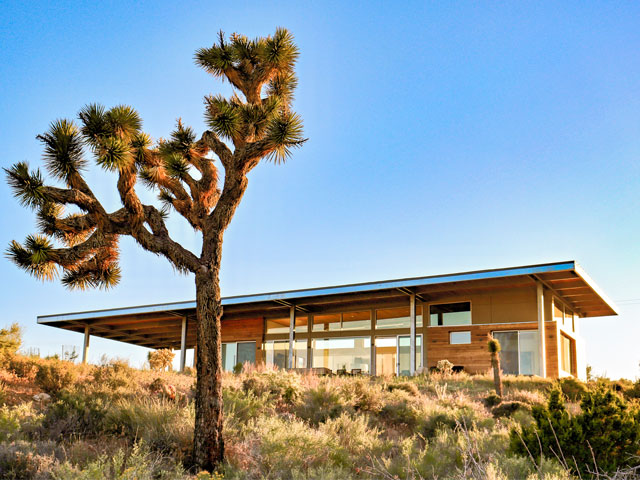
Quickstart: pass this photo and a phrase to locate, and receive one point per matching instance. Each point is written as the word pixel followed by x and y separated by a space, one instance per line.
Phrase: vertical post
pixel 412 333
pixel 372 357
pixel 183 344
pixel 85 347
pixel 542 350
pixel 195 356
pixel 292 326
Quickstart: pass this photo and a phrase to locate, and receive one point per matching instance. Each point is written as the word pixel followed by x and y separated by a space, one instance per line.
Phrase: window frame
pixel 428 321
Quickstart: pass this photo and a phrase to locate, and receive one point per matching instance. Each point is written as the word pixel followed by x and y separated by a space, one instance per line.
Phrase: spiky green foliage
pixel 63 149
pixel 27 186
pixel 35 257
pixel 493 346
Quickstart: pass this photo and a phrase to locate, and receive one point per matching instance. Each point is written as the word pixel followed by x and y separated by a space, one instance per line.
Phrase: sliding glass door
pixel 519 352
pixel 393 355
pixel 237 353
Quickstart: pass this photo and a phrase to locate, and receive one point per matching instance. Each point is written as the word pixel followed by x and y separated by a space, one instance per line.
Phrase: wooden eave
pixel 159 326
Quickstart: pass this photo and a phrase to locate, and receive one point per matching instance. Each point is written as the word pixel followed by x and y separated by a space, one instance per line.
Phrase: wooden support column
pixel 85 347
pixel 183 344
pixel 195 356
pixel 372 358
pixel 412 333
pixel 542 350
pixel 292 326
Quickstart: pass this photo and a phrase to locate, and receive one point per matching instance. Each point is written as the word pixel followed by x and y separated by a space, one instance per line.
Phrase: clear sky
pixel 443 137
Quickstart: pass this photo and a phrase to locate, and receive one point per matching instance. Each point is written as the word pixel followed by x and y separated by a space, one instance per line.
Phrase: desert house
pixel 393 327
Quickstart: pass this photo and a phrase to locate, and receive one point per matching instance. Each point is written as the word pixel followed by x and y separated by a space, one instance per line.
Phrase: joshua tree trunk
pixel 208 442
pixel 497 379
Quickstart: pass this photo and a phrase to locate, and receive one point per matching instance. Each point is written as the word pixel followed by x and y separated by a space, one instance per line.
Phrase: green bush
pixel 364 394
pixel 507 409
pixel 54 376
pixel 113 375
pixel 33 460
pixel 604 436
pixel 23 367
pixel 161 425
pixel 572 388
pixel 320 404
pixel 75 413
pixel 492 400
pixel 136 463
pixel 408 387
pixel 10 339
pixel 280 385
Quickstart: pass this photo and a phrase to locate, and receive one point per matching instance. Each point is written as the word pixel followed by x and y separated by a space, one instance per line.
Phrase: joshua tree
pixel 494 350
pixel 255 123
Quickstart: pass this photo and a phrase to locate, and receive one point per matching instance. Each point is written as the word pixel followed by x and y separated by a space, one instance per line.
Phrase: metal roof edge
pixel 318 291
pixel 594 286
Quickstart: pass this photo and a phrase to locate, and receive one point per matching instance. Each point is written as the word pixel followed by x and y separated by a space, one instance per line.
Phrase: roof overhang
pixel 160 324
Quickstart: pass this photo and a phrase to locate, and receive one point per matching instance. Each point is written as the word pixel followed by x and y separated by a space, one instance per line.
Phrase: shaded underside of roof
pixel 160 325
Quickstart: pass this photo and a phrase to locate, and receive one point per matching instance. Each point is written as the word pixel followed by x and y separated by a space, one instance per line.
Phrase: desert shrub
pixel 113 374
pixel 21 366
pixel 526 396
pixel 288 448
pixel 633 391
pixel 363 394
pixel 18 421
pixel 160 359
pixel 507 409
pixel 408 387
pixel 137 463
pixel 572 388
pixel 445 367
pixel 241 406
pixel 319 404
pixel 34 460
pixel 355 437
pixel 161 425
pixel 75 413
pixel 10 339
pixel 279 385
pixel 604 436
pixel 492 400
pixel 399 410
pixel 54 376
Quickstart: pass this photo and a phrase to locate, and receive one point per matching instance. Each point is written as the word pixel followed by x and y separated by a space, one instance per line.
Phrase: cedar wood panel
pixel 245 330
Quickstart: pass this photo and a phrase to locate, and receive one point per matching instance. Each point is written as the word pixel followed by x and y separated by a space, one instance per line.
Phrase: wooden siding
pixel 474 357
pixel 245 330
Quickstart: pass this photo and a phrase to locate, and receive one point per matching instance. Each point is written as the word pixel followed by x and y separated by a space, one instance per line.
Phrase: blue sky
pixel 442 138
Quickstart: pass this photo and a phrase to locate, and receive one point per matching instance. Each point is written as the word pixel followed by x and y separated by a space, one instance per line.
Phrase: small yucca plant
pixel 494 350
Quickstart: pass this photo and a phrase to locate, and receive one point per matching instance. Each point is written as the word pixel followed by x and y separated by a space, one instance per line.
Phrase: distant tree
pixel 10 338
pixel 160 359
pixel 494 350
pixel 255 123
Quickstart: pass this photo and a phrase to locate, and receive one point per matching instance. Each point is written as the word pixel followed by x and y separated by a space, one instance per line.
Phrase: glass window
pixel 342 354
pixel 386 356
pixel 325 323
pixel 237 353
pixel 278 325
pixel 277 353
pixel 508 351
pixel 529 354
pixel 356 320
pixel 458 338
pixel 566 354
pixel 281 325
pixel 450 314
pixel 397 317
pixel 519 352
pixel 404 354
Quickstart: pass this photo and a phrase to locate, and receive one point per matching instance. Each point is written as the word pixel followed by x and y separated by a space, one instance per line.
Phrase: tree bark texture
pixel 208 440
pixel 497 379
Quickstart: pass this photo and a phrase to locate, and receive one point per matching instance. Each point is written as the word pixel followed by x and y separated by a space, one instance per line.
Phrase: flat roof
pixel 566 279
